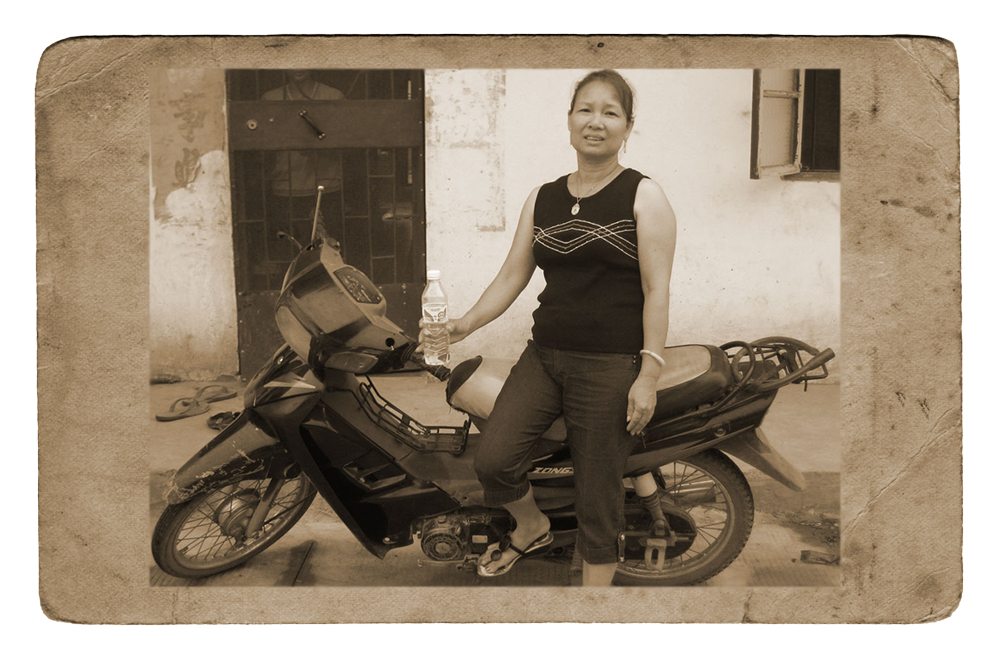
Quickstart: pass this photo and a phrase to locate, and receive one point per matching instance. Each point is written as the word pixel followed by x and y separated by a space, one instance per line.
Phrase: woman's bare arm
pixel 656 229
pixel 510 281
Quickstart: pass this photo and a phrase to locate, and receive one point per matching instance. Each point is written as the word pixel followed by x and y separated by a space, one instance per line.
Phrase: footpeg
pixel 656 552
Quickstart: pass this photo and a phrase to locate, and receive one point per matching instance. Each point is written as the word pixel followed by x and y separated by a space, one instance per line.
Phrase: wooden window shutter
pixel 776 134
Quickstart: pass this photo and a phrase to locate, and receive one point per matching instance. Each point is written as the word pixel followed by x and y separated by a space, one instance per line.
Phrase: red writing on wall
pixel 186 169
pixel 189 114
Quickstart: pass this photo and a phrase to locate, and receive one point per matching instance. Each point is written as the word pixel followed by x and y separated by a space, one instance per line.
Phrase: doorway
pixel 360 135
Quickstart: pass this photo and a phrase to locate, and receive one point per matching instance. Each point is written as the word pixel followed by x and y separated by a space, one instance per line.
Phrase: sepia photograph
pixel 514 329
pixel 494 327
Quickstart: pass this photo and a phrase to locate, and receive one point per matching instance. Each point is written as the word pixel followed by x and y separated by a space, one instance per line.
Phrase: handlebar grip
pixel 409 354
pixel 442 373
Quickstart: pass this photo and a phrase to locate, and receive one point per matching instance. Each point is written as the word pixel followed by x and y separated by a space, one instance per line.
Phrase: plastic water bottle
pixel 434 305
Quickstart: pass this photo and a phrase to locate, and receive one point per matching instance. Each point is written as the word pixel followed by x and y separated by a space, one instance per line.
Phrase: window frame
pixel 794 170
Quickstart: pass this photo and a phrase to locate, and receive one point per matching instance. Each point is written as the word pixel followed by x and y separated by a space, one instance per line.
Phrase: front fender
pixel 243 449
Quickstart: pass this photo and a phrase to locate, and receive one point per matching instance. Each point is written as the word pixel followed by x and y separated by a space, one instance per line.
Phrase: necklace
pixel 576 206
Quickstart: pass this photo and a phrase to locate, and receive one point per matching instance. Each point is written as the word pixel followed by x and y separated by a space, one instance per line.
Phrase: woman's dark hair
pixel 626 95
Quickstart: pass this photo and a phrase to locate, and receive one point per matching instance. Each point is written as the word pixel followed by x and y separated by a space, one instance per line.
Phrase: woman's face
pixel 597 123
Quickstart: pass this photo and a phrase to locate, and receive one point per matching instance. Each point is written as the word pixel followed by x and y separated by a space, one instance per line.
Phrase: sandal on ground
pixel 188 407
pixel 213 393
pixel 222 420
pixel 495 551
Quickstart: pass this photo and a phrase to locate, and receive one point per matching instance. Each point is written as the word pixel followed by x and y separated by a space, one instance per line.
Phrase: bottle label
pixel 435 312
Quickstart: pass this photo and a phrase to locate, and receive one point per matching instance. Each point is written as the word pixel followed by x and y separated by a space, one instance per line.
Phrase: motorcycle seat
pixel 692 375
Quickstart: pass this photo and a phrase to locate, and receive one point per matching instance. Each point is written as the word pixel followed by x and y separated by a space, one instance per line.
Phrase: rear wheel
pixel 208 533
pixel 712 509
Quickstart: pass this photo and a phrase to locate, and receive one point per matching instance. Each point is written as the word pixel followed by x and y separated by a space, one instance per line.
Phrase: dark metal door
pixel 359 134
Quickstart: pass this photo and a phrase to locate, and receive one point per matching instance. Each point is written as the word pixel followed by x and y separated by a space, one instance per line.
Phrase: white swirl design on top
pixel 570 235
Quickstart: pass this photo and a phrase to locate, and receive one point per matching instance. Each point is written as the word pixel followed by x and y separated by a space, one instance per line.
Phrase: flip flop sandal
pixel 213 393
pixel 189 407
pixel 222 420
pixel 495 551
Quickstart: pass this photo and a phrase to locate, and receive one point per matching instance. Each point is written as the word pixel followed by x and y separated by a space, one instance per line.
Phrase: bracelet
pixel 658 358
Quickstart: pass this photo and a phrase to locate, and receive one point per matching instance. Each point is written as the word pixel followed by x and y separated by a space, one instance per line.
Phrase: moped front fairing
pixel 333 316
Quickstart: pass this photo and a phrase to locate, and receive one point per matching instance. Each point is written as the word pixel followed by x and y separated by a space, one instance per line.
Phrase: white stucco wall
pixel 192 288
pixel 754 257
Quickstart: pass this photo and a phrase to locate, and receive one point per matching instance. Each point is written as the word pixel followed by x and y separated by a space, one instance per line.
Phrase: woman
pixel 604 237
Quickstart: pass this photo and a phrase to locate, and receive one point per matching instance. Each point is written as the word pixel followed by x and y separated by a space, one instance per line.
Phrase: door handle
pixel 320 135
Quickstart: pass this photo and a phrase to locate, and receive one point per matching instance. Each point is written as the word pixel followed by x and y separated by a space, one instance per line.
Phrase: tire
pixel 189 540
pixel 712 549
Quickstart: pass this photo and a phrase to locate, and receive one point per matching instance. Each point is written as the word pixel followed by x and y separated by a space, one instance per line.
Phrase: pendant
pixel 575 209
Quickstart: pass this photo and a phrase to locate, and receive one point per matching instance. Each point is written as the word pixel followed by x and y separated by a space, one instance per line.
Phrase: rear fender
pixel 749 445
pixel 243 449
pixel 753 448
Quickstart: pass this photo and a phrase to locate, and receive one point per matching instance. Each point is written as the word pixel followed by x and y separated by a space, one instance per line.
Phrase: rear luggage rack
pixel 405 428
pixel 790 368
pixel 765 365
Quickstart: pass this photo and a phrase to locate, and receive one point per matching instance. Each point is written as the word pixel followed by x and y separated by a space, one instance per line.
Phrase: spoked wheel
pixel 710 508
pixel 210 532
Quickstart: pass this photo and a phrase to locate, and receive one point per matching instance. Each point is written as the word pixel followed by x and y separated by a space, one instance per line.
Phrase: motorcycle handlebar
pixel 442 373
pixel 409 354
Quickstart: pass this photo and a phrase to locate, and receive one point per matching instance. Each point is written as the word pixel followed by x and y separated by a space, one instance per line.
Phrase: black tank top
pixel 592 301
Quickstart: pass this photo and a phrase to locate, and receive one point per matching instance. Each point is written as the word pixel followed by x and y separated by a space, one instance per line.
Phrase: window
pixel 796 124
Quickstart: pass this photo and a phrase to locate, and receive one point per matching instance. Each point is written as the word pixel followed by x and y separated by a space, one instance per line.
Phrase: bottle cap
pixel 433 274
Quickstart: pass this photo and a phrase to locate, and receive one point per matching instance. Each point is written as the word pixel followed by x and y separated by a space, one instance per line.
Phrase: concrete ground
pixel 320 551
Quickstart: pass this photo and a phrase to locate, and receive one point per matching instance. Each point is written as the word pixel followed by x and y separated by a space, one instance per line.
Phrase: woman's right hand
pixel 512 278
pixel 458 329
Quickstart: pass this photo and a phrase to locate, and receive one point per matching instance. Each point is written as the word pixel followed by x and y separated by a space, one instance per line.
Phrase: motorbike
pixel 314 422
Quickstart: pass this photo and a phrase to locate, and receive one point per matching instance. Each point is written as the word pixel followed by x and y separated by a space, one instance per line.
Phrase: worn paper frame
pixel 900 363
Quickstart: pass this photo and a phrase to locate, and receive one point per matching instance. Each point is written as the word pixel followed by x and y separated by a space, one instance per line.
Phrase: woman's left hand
pixel 641 403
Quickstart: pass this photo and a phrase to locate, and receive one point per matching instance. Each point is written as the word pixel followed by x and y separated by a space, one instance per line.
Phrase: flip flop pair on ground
pixel 197 404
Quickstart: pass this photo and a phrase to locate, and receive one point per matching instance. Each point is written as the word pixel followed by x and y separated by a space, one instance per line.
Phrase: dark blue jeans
pixel 591 390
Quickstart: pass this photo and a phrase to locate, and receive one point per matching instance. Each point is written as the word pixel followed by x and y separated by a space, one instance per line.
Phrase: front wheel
pixel 208 533
pixel 710 508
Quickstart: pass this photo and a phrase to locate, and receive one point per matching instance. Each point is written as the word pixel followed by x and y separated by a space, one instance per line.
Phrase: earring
pixel 625 146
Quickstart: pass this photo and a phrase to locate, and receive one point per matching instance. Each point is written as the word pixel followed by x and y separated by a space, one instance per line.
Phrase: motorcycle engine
pixel 445 538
